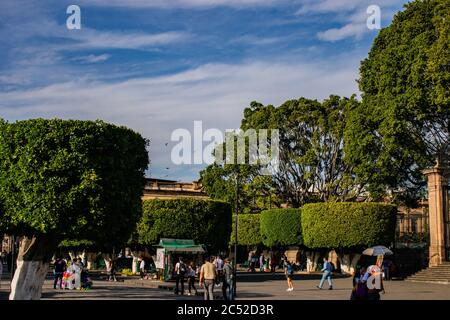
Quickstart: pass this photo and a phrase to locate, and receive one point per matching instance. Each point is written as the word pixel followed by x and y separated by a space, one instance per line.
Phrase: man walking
pixel 218 262
pixel 228 279
pixel 180 271
pixel 60 267
pixel 327 270
pixel 208 276
pixel 142 268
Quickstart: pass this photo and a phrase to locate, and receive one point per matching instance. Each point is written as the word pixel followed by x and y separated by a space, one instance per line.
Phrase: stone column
pixel 437 207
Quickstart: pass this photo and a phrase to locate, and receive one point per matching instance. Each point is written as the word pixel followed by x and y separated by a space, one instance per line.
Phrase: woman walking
pixel 110 268
pixel 191 273
pixel 289 272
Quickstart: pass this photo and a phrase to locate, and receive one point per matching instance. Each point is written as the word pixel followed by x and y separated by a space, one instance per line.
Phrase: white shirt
pixel 219 264
pixel 142 265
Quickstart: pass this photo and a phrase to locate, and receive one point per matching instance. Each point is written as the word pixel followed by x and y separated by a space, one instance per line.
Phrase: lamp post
pixel 236 234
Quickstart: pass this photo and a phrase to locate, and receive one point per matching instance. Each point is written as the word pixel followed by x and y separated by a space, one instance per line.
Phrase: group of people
pixel 70 274
pixel 269 262
pixel 327 270
pixel 368 282
pixel 215 272
pixel 264 263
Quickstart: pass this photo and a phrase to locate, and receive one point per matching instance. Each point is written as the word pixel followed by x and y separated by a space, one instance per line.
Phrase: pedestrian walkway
pixel 266 288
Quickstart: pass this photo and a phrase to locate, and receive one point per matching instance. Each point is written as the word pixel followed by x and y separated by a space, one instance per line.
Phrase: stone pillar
pixel 437 207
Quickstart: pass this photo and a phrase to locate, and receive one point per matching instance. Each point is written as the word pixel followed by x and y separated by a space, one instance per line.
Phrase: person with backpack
pixel 180 271
pixel 289 272
pixel 327 269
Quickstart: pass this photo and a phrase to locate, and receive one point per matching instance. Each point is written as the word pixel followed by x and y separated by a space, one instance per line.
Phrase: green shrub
pixel 348 225
pixel 248 230
pixel 281 227
pixel 205 221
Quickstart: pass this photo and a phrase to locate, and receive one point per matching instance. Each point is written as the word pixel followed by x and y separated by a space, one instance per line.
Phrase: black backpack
pixel 332 268
pixel 182 269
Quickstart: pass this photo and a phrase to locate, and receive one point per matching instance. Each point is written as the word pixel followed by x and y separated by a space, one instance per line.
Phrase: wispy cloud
pixel 92 58
pixel 352 15
pixel 255 40
pixel 182 3
pixel 94 39
pixel 355 30
pixel 214 93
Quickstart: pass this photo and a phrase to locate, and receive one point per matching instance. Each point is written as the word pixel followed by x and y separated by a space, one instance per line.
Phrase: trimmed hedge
pixel 281 227
pixel 348 225
pixel 205 221
pixel 248 230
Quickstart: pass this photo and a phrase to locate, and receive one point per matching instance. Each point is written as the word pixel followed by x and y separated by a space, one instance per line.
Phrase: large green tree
pixel 59 180
pixel 255 192
pixel 403 122
pixel 312 162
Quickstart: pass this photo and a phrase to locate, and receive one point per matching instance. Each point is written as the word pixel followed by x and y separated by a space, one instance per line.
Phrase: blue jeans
pixel 230 285
pixel 326 275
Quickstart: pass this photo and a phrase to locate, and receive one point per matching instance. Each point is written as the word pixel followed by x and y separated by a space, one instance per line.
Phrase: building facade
pixel 167 189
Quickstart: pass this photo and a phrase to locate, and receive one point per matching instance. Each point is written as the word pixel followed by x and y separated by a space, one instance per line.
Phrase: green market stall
pixel 168 249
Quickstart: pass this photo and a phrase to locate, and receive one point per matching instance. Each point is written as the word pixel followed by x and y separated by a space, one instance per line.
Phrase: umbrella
pixel 377 251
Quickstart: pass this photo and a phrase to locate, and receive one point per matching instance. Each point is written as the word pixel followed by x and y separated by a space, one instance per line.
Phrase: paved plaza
pixel 250 287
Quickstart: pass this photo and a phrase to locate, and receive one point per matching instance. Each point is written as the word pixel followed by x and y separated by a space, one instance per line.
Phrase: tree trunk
pixel 90 257
pixel 32 266
pixel 348 262
pixel 136 256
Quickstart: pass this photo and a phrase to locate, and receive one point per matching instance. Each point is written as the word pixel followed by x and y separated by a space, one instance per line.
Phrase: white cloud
pixel 350 13
pixel 93 39
pixel 92 58
pixel 213 93
pixel 350 30
pixel 255 40
pixel 181 3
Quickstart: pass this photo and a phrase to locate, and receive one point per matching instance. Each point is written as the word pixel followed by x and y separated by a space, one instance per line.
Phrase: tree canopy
pixel 71 180
pixel 312 164
pixel 403 122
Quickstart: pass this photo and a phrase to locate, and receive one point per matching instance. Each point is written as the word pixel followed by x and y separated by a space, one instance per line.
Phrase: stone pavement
pixel 250 286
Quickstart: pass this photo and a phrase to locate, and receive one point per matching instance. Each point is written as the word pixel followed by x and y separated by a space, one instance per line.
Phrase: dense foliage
pixel 207 222
pixel 404 119
pixel 71 180
pixel 248 230
pixel 348 225
pixel 281 227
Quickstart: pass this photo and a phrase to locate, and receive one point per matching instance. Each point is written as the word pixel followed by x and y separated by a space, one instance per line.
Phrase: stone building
pixel 165 189
pixel 413 223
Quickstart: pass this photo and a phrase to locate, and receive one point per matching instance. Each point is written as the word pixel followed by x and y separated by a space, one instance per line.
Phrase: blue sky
pixel 159 65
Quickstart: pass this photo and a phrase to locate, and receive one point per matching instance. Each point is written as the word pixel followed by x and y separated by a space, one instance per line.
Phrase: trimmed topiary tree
pixel 248 230
pixel 281 227
pixel 205 221
pixel 348 225
pixel 77 180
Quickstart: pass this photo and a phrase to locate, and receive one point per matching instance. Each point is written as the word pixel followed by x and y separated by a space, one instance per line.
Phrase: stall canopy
pixel 180 245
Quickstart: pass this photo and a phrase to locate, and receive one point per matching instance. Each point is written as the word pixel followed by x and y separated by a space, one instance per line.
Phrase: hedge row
pixel 346 225
pixel 281 227
pixel 319 225
pixel 248 230
pixel 205 221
